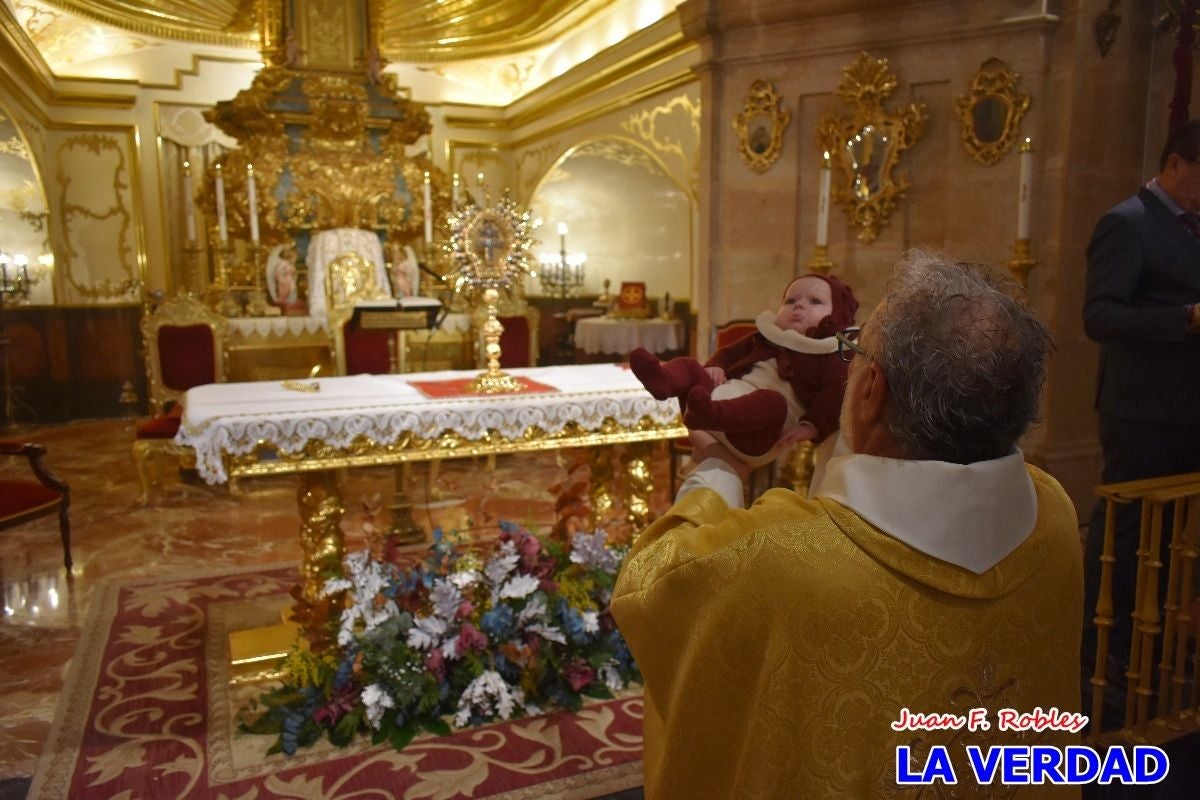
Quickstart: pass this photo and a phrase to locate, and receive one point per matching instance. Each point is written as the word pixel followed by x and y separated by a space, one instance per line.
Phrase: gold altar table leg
pixel 600 484
pixel 256 652
pixel 639 483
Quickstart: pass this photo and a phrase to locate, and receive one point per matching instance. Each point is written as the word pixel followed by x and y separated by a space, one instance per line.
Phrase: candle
pixel 252 203
pixel 456 194
pixel 428 211
pixel 219 190
pixel 823 204
pixel 189 213
pixel 1025 189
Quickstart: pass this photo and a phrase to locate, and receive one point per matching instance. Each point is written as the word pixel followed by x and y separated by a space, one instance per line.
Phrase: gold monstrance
pixel 489 249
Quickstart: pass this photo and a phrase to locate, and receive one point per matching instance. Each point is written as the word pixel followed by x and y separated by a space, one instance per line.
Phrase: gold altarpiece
pixel 325 132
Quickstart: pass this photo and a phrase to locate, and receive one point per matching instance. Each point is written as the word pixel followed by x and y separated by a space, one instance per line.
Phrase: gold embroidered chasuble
pixel 778 643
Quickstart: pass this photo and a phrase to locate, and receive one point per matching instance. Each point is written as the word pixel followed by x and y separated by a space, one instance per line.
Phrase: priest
pixel 838 645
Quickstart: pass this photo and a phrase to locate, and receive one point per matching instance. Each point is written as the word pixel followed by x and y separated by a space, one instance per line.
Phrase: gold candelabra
pixel 820 262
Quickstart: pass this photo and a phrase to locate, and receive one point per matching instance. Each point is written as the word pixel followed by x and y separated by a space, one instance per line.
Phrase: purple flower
pixel 578 674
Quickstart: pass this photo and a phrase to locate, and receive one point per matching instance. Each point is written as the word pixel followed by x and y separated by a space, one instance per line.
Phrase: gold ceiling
pixel 414 31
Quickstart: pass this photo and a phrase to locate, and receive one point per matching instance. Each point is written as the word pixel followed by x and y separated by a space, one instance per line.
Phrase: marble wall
pixel 1097 123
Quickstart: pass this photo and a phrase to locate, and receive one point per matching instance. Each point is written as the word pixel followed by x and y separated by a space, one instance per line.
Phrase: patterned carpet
pixel 150 712
pixel 190 528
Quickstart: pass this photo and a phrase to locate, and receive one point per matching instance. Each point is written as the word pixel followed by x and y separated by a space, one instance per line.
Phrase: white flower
pixel 611 676
pixel 591 622
pixel 468 577
pixel 446 599
pixel 548 632
pixel 491 696
pixel 591 552
pixel 534 610
pixel 450 648
pixel 377 701
pixel 426 632
pixel 501 564
pixel 519 586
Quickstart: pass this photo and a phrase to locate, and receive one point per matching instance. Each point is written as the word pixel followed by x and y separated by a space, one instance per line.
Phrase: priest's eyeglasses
pixel 848 343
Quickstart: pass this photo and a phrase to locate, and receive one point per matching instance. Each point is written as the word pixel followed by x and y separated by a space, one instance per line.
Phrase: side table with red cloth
pixel 22 500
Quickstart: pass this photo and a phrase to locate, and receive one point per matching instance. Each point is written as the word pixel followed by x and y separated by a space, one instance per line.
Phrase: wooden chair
pixel 24 499
pixel 351 279
pixel 723 335
pixel 184 344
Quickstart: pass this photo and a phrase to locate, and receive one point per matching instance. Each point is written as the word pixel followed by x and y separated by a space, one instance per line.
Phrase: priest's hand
pixel 705 446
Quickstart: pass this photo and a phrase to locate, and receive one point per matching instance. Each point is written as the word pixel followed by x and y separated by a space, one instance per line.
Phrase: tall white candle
pixel 428 210
pixel 456 196
pixel 189 212
pixel 823 204
pixel 219 191
pixel 1026 189
pixel 252 203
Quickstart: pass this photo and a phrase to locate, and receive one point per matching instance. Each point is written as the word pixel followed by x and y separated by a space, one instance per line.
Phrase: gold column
pixel 599 488
pixel 320 501
pixel 639 483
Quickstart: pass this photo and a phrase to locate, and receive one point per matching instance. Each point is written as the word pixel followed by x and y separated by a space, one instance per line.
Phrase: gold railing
pixel 1162 702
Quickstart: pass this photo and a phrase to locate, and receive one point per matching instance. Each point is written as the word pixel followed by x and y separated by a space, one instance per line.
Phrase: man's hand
pixel 717 374
pixel 803 432
pixel 705 445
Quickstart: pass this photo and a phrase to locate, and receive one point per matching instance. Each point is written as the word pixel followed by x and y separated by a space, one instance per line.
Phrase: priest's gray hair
pixel 964 359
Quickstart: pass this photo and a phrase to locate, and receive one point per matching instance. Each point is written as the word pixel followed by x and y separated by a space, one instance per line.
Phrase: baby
pixel 786 377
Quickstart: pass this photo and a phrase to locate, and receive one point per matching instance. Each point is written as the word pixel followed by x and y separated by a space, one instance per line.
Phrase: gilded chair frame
pixel 182 311
pixel 349 280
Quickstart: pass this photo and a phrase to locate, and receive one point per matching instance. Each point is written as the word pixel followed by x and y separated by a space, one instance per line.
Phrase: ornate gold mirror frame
pixel 865 148
pixel 991 112
pixel 760 125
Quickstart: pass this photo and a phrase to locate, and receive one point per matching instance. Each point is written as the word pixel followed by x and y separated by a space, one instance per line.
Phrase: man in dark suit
pixel 1143 287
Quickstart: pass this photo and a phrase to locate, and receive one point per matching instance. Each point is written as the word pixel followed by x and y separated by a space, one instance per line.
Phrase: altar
pixel 315 428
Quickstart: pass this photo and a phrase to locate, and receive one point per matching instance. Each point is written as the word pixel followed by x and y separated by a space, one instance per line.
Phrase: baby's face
pixel 808 301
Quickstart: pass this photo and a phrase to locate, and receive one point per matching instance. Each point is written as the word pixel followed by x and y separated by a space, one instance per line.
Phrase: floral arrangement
pixel 462 635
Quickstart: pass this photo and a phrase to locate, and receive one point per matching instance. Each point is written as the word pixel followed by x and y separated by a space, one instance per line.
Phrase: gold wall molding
pixel 760 126
pixel 221 22
pixel 673 129
pixel 532 164
pixel 990 112
pixel 79 208
pixel 865 148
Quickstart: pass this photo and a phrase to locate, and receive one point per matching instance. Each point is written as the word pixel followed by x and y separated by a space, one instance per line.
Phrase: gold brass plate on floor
pixel 255 653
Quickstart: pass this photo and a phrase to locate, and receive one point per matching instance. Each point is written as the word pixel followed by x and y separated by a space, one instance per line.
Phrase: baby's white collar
pixel 793 340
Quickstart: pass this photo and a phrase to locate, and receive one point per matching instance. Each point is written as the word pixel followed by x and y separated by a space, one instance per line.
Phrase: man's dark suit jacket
pixel 1143 270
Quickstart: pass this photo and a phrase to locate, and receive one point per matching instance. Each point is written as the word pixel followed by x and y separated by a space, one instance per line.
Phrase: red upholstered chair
pixel 25 499
pixel 184 344
pixel 349 280
pixel 723 335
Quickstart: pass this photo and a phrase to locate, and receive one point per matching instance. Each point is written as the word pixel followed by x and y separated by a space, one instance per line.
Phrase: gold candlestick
pixel 820 262
pixel 1022 261
pixel 494 381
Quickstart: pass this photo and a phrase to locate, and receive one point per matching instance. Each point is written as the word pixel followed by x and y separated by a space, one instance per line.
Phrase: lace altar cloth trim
pixel 275 326
pixel 232 418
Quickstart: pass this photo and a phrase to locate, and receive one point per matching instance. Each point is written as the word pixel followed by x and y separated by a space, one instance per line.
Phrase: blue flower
pixel 572 622
pixel 498 622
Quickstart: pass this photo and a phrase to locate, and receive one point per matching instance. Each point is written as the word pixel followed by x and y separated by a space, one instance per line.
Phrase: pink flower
pixel 435 662
pixel 471 638
pixel 578 674
pixel 464 609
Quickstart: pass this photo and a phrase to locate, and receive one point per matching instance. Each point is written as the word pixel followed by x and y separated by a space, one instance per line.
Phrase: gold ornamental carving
pixel 990 112
pixel 865 148
pixel 760 126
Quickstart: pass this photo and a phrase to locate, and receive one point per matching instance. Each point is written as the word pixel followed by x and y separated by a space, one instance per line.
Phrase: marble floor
pixel 190 527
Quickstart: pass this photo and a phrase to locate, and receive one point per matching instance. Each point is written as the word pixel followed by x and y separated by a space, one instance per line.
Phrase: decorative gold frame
pixel 991 112
pixel 866 184
pixel 760 125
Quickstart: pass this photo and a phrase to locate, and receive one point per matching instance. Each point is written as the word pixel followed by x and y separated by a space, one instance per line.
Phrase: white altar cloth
pixel 608 335
pixel 232 418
